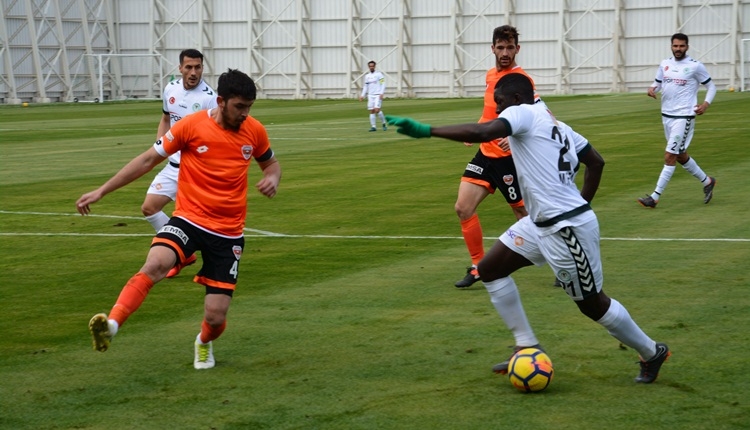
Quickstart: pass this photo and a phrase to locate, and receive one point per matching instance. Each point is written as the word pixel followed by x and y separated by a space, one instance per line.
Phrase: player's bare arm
pixel 593 175
pixel 136 168
pixel 269 184
pixel 472 132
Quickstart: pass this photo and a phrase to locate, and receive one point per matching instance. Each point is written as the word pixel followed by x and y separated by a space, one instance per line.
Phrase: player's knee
pixel 215 316
pixel 215 320
pixel 486 272
pixel 148 209
pixel 463 212
pixel 595 306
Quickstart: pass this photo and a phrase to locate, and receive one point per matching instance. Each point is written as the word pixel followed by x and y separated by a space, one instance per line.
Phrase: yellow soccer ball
pixel 530 370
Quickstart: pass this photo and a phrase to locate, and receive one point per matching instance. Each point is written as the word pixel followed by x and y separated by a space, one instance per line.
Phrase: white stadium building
pixel 99 50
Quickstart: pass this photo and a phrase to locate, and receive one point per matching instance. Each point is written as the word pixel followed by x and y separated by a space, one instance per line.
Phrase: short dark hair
pixel 234 83
pixel 516 83
pixel 191 53
pixel 371 62
pixel 505 32
pixel 679 36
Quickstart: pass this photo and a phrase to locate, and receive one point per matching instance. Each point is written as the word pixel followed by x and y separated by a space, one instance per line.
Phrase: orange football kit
pixel 212 186
pixel 492 149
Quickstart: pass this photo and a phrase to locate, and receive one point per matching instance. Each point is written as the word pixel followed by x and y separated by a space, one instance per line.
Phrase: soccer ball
pixel 530 369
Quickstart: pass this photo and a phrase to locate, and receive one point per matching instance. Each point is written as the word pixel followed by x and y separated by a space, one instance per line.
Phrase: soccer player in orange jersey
pixel 217 146
pixel 492 167
pixel 183 96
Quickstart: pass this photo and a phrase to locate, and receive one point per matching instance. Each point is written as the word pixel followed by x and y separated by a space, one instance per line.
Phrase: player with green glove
pixel 561 228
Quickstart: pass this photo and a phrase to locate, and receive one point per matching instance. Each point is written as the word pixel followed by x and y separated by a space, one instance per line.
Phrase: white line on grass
pixel 262 233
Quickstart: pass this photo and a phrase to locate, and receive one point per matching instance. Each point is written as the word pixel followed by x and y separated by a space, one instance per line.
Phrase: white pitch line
pixel 262 233
pixel 331 236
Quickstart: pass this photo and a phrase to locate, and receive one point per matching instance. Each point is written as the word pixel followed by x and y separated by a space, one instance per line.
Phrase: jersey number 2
pixel 562 165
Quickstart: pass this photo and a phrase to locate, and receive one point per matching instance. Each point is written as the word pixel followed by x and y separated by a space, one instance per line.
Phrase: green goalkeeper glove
pixel 409 126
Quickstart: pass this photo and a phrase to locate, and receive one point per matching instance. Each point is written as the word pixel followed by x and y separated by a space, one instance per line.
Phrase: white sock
pixel 372 120
pixel 621 326
pixel 504 296
pixel 158 220
pixel 381 115
pixel 661 184
pixel 694 169
pixel 113 327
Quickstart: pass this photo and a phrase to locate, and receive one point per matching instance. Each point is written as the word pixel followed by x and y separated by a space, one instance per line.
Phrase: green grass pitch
pixel 345 315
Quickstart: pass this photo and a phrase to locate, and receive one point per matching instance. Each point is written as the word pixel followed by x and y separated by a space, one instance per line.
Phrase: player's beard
pixel 191 82
pixel 505 62
pixel 230 121
pixel 678 55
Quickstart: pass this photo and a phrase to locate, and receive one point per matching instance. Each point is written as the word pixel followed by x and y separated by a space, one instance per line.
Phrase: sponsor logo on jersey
pixel 202 149
pixel 196 107
pixel 517 239
pixel 676 81
pixel 508 179
pixel 247 151
pixel 176 231
pixel 666 68
pixel 237 251
pixel 474 168
pixel 183 105
pixel 171 100
pixel 169 135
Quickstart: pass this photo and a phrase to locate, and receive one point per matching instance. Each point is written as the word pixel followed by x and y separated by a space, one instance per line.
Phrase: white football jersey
pixel 374 84
pixel 545 152
pixel 679 82
pixel 178 103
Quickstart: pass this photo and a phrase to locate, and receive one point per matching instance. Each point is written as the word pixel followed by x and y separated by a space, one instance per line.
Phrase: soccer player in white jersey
pixel 679 78
pixel 561 228
pixel 188 94
pixel 374 89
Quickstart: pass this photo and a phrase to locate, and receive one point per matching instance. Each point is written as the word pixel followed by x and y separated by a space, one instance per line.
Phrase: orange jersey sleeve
pixel 212 184
pixel 492 149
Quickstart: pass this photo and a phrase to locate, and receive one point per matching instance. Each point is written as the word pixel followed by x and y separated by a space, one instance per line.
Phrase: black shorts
pixel 495 174
pixel 220 255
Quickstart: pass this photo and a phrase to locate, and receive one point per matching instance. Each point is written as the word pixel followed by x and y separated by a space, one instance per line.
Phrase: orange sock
pixel 472 231
pixel 209 333
pixel 131 297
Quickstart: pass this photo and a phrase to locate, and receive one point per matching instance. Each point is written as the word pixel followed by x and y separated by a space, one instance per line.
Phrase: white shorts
pixel 679 133
pixel 572 251
pixel 165 182
pixel 374 101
